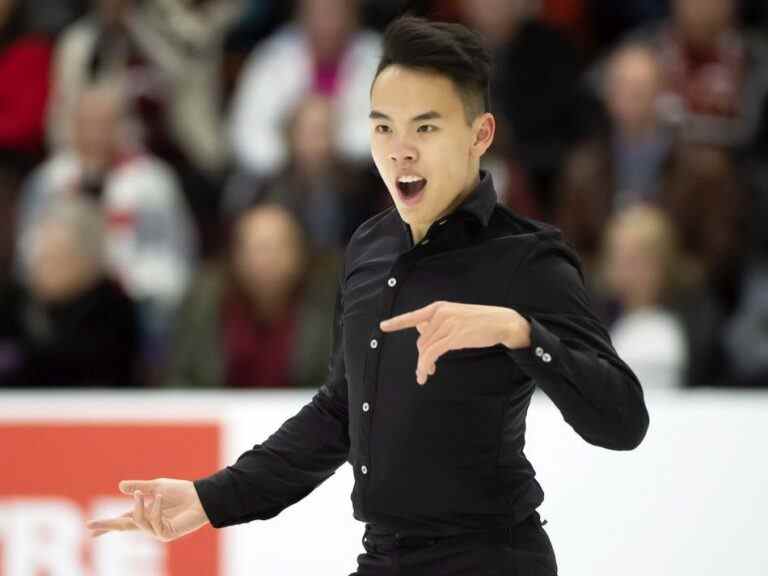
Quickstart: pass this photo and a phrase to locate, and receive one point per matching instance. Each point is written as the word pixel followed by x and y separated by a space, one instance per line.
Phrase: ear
pixel 484 129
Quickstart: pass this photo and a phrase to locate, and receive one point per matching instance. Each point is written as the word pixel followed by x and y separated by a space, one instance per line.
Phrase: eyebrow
pixel 431 115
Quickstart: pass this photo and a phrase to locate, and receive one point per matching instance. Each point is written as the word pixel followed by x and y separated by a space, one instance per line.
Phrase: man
pixel 429 406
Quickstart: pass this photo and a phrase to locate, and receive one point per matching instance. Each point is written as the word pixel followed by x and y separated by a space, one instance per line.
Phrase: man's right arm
pixel 293 461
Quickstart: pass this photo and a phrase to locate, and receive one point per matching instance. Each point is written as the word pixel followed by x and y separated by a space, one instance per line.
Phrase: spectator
pixel 77 327
pixel 329 196
pixel 534 89
pixel 264 318
pixel 95 49
pixel 24 71
pixel 150 241
pixel 323 52
pixel 184 40
pixel 715 73
pixel 641 259
pixel 621 163
pixel 704 194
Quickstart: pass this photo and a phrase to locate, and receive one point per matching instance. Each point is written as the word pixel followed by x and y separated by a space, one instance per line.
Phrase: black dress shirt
pixel 446 457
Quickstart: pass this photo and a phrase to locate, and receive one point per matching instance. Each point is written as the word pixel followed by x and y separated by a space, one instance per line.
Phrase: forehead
pixel 405 92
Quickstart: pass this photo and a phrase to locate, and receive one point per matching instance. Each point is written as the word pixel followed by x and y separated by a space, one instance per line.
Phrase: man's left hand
pixel 445 326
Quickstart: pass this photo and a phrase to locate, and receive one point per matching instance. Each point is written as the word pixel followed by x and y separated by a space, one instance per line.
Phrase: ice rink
pixel 691 500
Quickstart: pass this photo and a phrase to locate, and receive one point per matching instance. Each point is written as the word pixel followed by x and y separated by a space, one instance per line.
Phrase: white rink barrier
pixel 691 500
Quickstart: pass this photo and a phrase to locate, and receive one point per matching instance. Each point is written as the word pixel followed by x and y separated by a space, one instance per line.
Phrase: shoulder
pixel 539 243
pixel 528 230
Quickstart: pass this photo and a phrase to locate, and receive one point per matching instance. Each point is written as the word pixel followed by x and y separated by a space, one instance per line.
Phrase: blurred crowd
pixel 179 178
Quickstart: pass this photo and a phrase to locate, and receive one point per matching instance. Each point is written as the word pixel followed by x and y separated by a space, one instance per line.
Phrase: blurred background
pixel 179 178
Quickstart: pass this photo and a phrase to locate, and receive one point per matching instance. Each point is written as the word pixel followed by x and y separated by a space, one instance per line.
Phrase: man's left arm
pixel 552 334
pixel 569 353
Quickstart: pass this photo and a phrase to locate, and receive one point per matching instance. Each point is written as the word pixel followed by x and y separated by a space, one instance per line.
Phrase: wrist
pixel 516 332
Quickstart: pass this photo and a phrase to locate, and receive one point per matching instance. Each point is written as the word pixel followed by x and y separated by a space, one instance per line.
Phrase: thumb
pixel 144 486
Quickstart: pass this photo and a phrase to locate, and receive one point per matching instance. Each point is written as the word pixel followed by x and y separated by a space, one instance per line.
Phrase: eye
pixel 426 128
pixel 382 129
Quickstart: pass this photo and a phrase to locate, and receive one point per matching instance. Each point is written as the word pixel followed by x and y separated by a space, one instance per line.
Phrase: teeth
pixel 407 179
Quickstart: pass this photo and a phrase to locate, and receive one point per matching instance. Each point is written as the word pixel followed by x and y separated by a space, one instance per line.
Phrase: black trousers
pixel 523 550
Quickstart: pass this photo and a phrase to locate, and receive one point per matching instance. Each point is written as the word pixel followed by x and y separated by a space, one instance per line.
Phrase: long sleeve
pixel 571 357
pixel 304 452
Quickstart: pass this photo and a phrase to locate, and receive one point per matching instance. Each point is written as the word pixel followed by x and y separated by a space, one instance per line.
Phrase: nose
pixel 403 152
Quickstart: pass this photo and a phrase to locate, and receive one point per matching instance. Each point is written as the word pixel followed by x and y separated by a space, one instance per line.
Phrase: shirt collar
pixel 479 204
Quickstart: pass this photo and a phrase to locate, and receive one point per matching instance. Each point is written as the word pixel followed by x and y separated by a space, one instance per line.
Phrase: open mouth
pixel 411 186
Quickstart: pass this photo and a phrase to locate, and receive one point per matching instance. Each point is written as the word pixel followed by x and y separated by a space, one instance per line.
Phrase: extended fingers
pixel 438 328
pixel 138 512
pixel 410 319
pixel 144 486
pixel 119 524
pixel 155 519
pixel 428 359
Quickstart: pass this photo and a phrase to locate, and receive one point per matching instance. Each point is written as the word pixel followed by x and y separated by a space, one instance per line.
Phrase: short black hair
pixel 445 48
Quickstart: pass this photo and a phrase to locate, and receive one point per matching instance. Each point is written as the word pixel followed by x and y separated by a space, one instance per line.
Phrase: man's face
pixel 423 146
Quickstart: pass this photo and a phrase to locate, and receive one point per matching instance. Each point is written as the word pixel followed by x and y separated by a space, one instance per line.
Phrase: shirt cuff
pixel 542 355
pixel 216 495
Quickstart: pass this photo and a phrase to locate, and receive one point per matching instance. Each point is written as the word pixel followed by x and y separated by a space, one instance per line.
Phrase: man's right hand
pixel 164 508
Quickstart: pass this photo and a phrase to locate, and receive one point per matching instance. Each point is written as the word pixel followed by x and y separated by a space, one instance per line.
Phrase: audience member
pixel 150 239
pixel 264 317
pixel 641 260
pixel 184 41
pixel 534 89
pixel 331 197
pixel 706 198
pixel 622 162
pixel 75 326
pixel 322 52
pixel 715 73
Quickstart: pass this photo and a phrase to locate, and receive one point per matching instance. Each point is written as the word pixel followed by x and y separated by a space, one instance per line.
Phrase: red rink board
pixel 78 462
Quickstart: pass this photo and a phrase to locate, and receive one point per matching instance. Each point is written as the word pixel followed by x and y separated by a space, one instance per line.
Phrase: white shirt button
pixel 364 469
pixel 374 343
pixel 366 406
pixel 391 282
pixel 546 357
pixel 539 350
